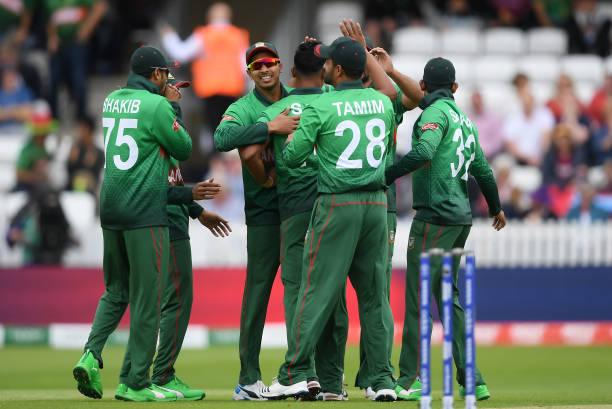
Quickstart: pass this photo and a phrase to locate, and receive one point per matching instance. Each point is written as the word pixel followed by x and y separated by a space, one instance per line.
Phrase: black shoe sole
pixel 385 398
pixel 82 377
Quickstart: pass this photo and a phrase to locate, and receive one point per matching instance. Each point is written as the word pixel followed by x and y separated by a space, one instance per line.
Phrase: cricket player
pixel 177 293
pixel 141 131
pixel 409 94
pixel 445 151
pixel 351 128
pixel 239 128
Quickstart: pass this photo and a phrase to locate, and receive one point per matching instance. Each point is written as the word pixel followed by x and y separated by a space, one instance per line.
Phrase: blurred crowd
pixel 586 23
pixel 551 160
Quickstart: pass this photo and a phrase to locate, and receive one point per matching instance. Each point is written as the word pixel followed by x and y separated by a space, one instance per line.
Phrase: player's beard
pixel 329 78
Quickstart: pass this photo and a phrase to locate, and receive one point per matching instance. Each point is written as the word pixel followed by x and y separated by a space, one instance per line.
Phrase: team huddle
pixel 319 184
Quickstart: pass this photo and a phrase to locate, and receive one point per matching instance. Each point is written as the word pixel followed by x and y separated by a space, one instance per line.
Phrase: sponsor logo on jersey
pixel 176 126
pixel 411 243
pixel 430 125
pixel 227 118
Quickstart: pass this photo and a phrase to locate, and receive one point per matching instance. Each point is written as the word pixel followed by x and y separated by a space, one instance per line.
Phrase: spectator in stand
pixel 86 160
pixel 380 21
pixel 588 29
pixel 70 25
pixel 15 100
pixel 552 12
pixel 217 54
pixel 33 159
pixel 521 83
pixel 462 13
pixel 489 126
pixel 602 139
pixel 568 110
pixel 9 57
pixel 511 197
pixel 607 185
pixel 586 211
pixel 15 20
pixel 597 107
pixel 562 166
pixel 527 132
pixel 514 13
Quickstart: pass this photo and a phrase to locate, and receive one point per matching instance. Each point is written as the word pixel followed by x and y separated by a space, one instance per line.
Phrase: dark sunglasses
pixel 268 62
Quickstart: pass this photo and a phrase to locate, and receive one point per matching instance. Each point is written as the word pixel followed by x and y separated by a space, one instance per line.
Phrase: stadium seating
pixel 460 41
pixel 583 67
pixel 540 67
pixel 547 40
pixel 414 40
pixel 504 40
pixel 496 68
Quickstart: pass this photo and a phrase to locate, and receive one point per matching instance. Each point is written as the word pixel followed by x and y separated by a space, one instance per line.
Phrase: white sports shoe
pixel 369 393
pixel 249 392
pixel 278 391
pixel 333 396
pixel 385 395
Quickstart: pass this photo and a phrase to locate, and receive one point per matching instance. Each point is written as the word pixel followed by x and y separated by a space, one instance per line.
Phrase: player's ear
pixel 422 85
pixel 280 67
pixel 454 87
pixel 293 72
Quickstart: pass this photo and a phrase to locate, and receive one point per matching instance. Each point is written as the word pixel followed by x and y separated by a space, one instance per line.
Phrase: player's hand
pixel 499 221
pixel 205 190
pixel 383 58
pixel 172 93
pixel 271 182
pixel 351 29
pixel 283 124
pixel 217 225
pixel 308 39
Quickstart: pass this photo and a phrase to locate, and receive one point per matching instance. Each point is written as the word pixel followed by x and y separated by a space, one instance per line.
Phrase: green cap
pixel 344 51
pixel 147 58
pixel 439 71
pixel 260 46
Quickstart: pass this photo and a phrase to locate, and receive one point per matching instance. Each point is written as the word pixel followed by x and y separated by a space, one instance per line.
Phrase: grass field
pixel 577 377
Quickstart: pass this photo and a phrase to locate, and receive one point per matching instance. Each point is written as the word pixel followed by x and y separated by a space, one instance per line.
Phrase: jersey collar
pixel 264 100
pixel 434 96
pixel 136 81
pixel 349 85
pixel 306 90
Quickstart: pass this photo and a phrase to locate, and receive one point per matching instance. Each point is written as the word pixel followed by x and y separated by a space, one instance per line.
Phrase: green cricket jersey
pixel 180 204
pixel 141 130
pixel 239 127
pixel 351 130
pixel 398 109
pixel 67 16
pixel 445 148
pixel 296 188
pixel 30 155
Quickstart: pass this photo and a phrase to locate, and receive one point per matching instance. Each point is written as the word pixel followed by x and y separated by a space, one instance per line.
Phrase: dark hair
pixel 88 121
pixel 305 61
pixel 435 87
pixel 350 72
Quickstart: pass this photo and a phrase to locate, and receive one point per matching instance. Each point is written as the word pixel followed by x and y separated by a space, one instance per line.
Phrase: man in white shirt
pixel 527 132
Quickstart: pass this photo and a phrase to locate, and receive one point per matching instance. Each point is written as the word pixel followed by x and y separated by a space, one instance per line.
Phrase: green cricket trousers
pixel 362 379
pixel 346 237
pixel 329 351
pixel 135 262
pixel 424 236
pixel 263 259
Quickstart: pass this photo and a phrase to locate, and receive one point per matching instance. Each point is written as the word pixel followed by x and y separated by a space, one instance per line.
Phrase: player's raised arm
pixel 171 134
pixel 412 93
pixel 301 143
pixel 431 129
pixel 381 81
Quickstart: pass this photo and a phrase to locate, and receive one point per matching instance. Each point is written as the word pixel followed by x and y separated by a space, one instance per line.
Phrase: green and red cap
pixel 439 71
pixel 146 58
pixel 344 51
pixel 260 46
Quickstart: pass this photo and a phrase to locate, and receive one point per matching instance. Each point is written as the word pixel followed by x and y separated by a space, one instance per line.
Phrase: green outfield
pixel 577 377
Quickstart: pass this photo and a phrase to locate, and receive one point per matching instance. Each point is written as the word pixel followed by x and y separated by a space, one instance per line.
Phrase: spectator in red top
pixel 597 107
pixel 567 109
